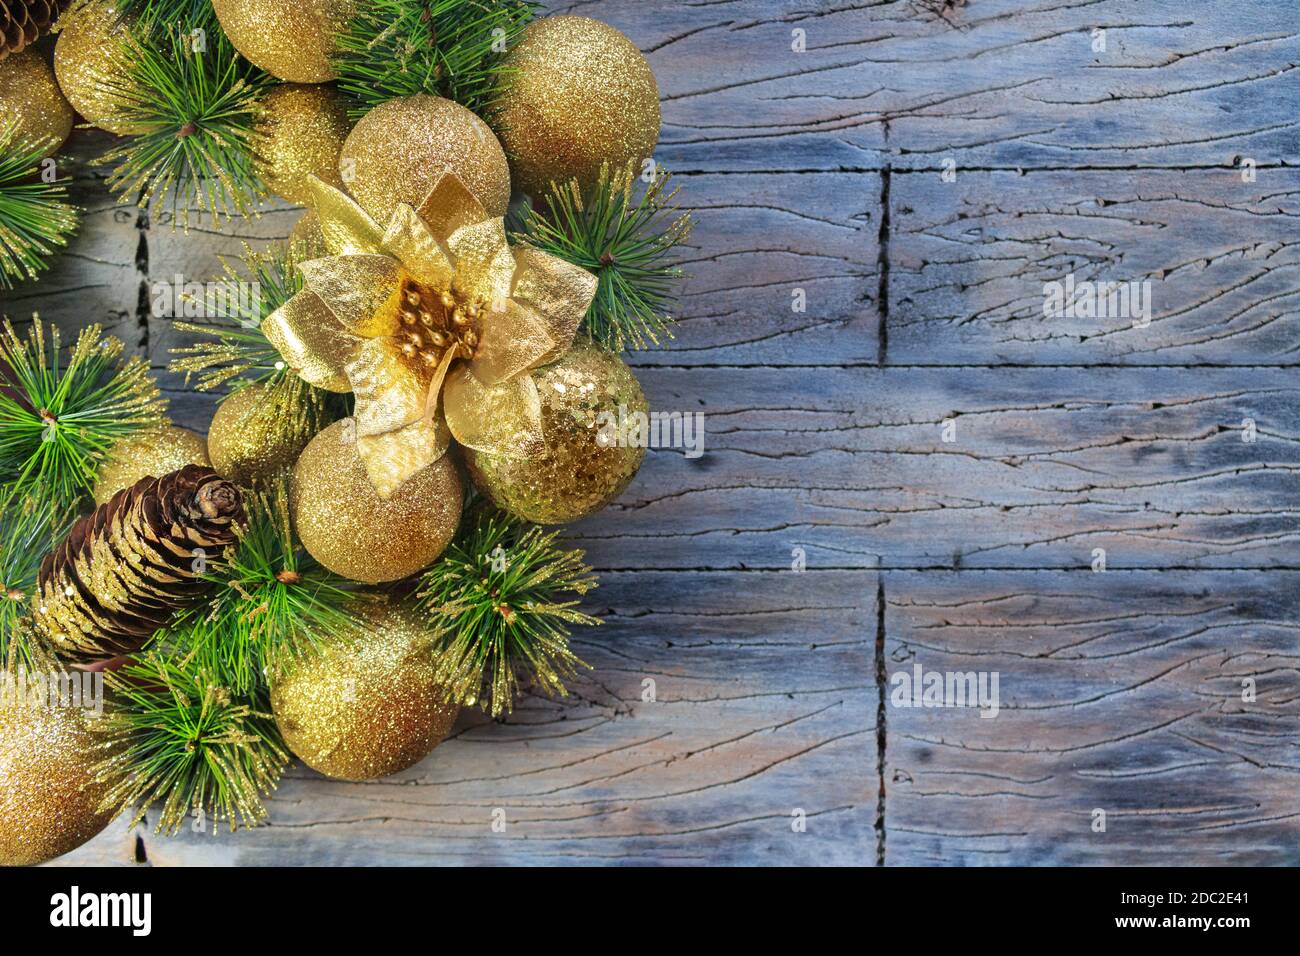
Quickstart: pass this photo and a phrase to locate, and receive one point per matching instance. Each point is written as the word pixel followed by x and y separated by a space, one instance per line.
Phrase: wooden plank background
pixel 823 170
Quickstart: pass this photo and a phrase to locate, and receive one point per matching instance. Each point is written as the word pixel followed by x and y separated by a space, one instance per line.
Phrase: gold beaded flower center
pixel 435 322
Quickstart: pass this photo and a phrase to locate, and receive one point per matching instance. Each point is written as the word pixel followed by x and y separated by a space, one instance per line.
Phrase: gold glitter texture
pixel 578 94
pixel 30 96
pixel 343 523
pixel 400 149
pixel 290 39
pixel 578 474
pixel 154 452
pixel 298 133
pixel 251 438
pixel 48 797
pixel 367 704
pixel 90 53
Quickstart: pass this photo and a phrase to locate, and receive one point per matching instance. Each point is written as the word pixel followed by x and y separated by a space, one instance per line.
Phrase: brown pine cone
pixel 22 21
pixel 128 566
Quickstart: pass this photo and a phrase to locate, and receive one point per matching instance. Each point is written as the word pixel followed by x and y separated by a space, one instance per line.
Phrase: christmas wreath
pixel 418 389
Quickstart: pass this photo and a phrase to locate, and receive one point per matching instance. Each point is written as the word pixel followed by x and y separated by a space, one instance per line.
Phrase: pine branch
pixel 195 103
pixel 274 601
pixel 253 286
pixel 628 243
pixel 35 218
pixel 57 420
pixel 182 740
pixel 191 14
pixel 495 598
pixel 450 48
pixel 30 527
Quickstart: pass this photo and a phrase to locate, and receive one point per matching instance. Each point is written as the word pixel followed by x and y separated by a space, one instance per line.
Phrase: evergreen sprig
pixel 30 527
pixel 193 100
pixel 273 601
pixel 183 740
pixel 35 217
pixel 497 599
pixel 627 241
pixel 58 419
pixel 252 287
pixel 450 48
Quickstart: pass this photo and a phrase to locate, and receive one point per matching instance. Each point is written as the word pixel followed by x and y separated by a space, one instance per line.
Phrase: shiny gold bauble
pixel 48 797
pixel 91 53
pixel 251 439
pixel 153 452
pixel 290 39
pixel 306 238
pixel 365 704
pixel 298 133
pixel 577 94
pixel 584 467
pixel 30 95
pixel 401 148
pixel 345 525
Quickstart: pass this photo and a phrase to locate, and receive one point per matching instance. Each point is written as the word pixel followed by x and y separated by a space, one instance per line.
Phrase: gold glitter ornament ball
pixel 585 466
pixel 366 704
pixel 577 94
pixel 401 148
pixel 251 439
pixel 91 53
pixel 298 133
pixel 154 452
pixel 48 797
pixel 290 39
pixel 345 525
pixel 30 95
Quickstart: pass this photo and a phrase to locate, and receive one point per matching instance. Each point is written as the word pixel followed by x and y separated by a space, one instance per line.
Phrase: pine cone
pixel 127 567
pixel 22 21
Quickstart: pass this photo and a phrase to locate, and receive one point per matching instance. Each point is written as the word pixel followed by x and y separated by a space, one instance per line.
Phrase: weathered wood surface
pixel 822 171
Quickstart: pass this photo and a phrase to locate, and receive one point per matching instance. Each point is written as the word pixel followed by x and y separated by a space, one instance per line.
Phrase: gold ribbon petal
pixel 391 391
pixel 450 206
pixel 484 263
pixel 347 229
pixel 361 290
pixel 504 419
pixel 511 342
pixel 558 291
pixel 410 240
pixel 395 456
pixel 311 341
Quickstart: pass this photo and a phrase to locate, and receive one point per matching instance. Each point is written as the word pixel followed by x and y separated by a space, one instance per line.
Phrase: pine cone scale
pixel 23 21
pixel 124 570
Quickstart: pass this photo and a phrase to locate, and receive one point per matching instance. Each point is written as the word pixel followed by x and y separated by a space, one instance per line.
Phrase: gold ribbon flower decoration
pixel 435 323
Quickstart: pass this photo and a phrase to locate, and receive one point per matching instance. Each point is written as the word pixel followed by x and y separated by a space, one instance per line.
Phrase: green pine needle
pixel 495 599
pixel 182 740
pixel 58 419
pixel 273 601
pixel 235 346
pixel 450 48
pixel 627 242
pixel 30 527
pixel 196 108
pixel 35 218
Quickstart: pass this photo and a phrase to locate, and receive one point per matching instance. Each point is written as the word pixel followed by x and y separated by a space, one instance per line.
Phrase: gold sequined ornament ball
pixel 48 797
pixel 306 237
pixel 400 149
pixel 348 528
pixel 589 460
pixel 251 439
pixel 298 133
pixel 577 93
pixel 290 39
pixel 30 96
pixel 91 54
pixel 366 704
pixel 155 451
